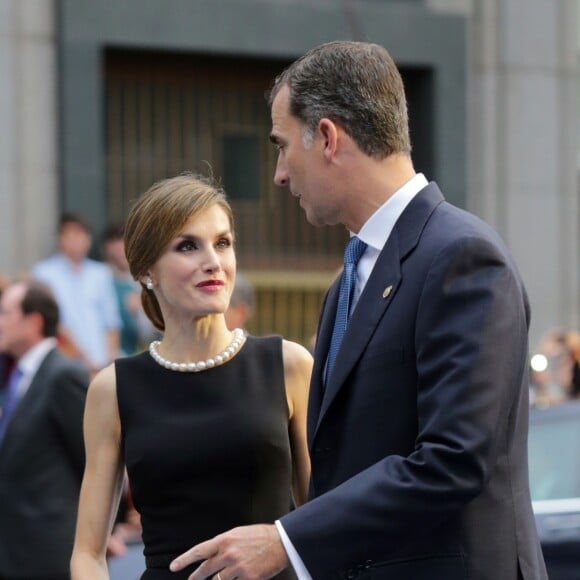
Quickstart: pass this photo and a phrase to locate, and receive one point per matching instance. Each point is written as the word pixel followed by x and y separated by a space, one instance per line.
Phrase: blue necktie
pixel 11 399
pixel 354 250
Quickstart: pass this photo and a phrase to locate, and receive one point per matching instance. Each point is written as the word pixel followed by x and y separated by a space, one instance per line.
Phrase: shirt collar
pixel 377 229
pixel 32 359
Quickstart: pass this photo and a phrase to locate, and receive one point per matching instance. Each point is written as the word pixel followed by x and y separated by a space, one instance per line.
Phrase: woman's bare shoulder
pixel 296 357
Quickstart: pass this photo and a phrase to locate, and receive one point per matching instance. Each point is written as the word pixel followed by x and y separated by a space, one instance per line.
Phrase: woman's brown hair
pixel 157 217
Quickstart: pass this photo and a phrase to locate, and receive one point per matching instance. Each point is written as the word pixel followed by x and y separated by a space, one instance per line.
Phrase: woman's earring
pixel 149 284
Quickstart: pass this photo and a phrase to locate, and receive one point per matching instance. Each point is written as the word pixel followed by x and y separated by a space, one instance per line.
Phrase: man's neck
pixel 382 179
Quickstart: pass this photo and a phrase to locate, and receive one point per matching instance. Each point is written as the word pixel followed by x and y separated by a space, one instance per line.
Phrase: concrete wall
pixel 523 108
pixel 524 153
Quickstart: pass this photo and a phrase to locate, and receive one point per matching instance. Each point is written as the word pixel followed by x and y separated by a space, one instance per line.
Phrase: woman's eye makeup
pixel 224 243
pixel 186 246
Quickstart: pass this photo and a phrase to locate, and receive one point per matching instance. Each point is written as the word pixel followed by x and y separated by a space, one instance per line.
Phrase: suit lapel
pixel 369 310
pixel 320 354
pixel 374 301
pixel 35 392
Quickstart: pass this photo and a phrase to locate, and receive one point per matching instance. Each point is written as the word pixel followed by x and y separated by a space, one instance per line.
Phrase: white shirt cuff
pixel 295 559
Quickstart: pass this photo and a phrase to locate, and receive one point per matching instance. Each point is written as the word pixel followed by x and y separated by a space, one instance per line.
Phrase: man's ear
pixel 36 321
pixel 329 134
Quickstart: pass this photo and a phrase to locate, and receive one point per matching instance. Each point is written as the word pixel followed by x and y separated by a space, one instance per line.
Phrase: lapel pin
pixel 387 291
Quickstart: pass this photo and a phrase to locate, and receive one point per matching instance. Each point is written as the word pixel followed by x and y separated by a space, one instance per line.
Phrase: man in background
pixel 85 294
pixel 241 303
pixel 136 328
pixel 41 439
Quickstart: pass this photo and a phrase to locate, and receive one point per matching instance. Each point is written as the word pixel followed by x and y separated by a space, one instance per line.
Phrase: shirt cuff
pixel 295 559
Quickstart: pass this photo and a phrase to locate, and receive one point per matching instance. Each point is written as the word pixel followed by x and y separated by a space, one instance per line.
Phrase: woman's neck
pixel 195 340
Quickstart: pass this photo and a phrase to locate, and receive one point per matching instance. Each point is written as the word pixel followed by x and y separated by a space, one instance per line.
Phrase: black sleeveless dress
pixel 205 452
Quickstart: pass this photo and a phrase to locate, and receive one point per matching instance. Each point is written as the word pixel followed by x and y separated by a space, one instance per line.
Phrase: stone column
pixel 523 129
pixel 28 145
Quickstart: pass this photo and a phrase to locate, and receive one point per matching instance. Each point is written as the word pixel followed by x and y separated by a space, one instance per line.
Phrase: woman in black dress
pixel 210 423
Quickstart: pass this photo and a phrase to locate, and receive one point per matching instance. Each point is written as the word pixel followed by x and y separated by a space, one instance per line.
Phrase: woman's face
pixel 195 275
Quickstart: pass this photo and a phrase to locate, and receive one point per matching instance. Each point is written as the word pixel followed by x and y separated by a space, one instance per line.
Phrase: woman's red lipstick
pixel 210 283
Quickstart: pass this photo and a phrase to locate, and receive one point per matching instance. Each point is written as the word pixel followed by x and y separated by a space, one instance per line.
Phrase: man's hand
pixel 249 552
pixel 116 547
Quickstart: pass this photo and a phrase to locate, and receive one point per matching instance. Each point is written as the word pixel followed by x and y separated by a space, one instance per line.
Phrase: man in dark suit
pixel 41 440
pixel 418 413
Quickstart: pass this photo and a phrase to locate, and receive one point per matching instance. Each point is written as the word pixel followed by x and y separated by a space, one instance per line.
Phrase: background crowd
pixel 555 368
pixel 98 317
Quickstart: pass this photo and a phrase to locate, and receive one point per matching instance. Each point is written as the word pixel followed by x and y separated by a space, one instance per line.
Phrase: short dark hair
pixel 76 219
pixel 113 232
pixel 38 297
pixel 356 85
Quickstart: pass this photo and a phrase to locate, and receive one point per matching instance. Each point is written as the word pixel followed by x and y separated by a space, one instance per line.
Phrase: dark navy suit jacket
pixel 419 439
pixel 41 468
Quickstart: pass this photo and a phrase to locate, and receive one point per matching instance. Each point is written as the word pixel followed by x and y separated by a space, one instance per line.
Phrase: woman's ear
pixel 147 281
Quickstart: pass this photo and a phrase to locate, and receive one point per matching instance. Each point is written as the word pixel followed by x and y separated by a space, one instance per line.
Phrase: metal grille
pixel 169 113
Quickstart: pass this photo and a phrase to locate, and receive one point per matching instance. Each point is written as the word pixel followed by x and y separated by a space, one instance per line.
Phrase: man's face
pixel 114 254
pixel 14 327
pixel 74 242
pixel 301 164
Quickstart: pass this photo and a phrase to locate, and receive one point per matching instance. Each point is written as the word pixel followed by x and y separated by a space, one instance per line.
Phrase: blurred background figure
pixel 554 368
pixel 41 440
pixel 5 359
pixel 125 539
pixel 136 329
pixel 85 292
pixel 4 281
pixel 241 305
pixel 573 345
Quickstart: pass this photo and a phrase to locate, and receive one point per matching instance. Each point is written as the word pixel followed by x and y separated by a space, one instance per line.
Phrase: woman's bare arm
pixel 102 481
pixel 297 371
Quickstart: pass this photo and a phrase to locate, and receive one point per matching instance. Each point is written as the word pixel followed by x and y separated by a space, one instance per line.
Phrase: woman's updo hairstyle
pixel 157 217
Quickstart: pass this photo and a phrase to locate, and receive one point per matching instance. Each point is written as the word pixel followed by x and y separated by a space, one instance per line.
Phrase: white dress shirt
pixel 87 303
pixel 377 229
pixel 30 362
pixel 375 233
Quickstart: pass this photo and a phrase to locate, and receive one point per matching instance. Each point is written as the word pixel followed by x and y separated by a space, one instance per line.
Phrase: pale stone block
pixel 532 129
pixel 464 7
pixel 539 249
pixel 7 90
pixel 528 32
pixel 38 109
pixel 7 18
pixel 36 18
pixel 39 190
pixel 568 33
pixel 483 113
pixel 485 48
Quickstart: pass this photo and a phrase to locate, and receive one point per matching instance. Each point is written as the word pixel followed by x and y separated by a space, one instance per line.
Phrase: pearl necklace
pixel 202 365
